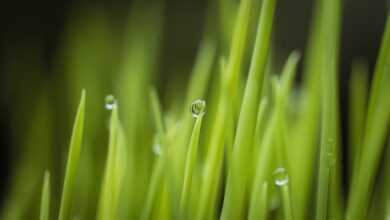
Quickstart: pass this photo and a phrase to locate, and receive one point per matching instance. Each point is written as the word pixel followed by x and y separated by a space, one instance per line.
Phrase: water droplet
pixel 110 102
pixel 156 146
pixel 280 176
pixel 198 108
pixel 156 149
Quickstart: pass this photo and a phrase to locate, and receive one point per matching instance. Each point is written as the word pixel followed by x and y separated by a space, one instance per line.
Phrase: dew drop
pixel 156 149
pixel 156 146
pixel 280 176
pixel 198 108
pixel 110 102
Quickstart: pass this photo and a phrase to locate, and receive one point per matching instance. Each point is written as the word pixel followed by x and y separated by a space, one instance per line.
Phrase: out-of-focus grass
pixel 73 161
pixel 266 148
pixel 45 198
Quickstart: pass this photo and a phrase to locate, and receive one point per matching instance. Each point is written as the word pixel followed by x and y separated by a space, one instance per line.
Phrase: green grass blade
pixel 327 183
pixel 282 92
pixel 260 127
pixel 287 207
pixel 189 168
pixel 387 184
pixel 226 13
pixel 154 189
pixel 304 133
pixel 288 74
pixel 158 119
pixel 267 152
pixel 73 160
pixel 45 198
pixel 114 171
pixel 202 70
pixel 358 89
pixel 264 162
pixel 377 121
pixel 213 167
pixel 236 187
pixel 157 176
pixel 261 203
pixel 197 87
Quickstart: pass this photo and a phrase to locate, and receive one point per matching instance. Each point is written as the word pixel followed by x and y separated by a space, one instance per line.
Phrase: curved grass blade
pixel 282 92
pixel 376 128
pixel 357 108
pixel 202 70
pixel 154 189
pixel 114 171
pixel 237 177
pixel 264 162
pixel 158 170
pixel 45 198
pixel 227 13
pixel 139 65
pixel 304 133
pixel 261 203
pixel 266 153
pixel 189 168
pixel 197 87
pixel 73 160
pixel 386 184
pixel 213 167
pixel 157 115
pixel 260 127
pixel 328 184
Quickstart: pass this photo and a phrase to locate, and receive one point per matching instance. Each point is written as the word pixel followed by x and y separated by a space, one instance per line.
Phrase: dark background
pixel 32 26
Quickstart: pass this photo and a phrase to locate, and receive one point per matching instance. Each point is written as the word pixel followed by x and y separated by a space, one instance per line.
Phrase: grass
pixel 73 160
pixel 268 146
pixel 45 199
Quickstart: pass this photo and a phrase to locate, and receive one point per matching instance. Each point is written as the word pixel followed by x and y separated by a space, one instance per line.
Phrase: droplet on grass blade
pixel 156 148
pixel 280 176
pixel 198 108
pixel 110 102
pixel 156 145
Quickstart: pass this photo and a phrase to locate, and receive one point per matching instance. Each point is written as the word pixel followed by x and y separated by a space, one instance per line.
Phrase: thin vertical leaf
pixel 267 152
pixel 376 128
pixel 45 197
pixel 329 184
pixel 73 160
pixel 282 92
pixel 357 108
pixel 158 170
pixel 213 167
pixel 261 204
pixel 237 177
pixel 189 168
pixel 114 170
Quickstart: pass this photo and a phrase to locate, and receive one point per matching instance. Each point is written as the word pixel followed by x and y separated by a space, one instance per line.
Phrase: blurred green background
pixel 50 50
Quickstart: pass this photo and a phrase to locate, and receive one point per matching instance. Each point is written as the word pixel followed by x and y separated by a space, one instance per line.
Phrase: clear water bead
pixel 280 176
pixel 110 102
pixel 198 108
pixel 156 149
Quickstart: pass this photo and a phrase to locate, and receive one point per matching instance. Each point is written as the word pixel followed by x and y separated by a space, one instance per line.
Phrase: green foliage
pixel 73 161
pixel 266 148
pixel 45 198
